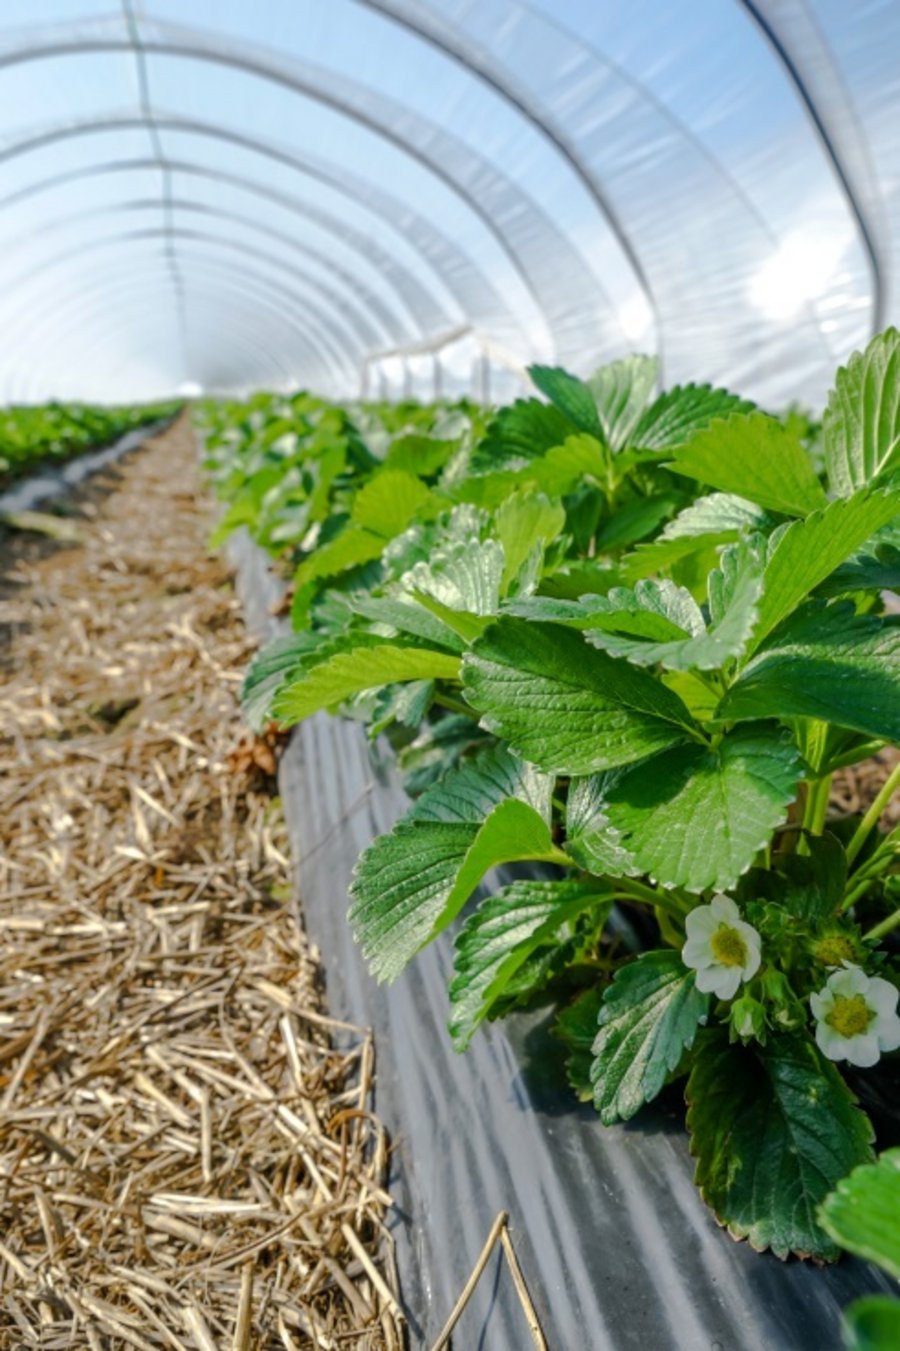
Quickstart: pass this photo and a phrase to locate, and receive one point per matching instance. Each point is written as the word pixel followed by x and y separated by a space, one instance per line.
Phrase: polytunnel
pixel 449 570
pixel 385 194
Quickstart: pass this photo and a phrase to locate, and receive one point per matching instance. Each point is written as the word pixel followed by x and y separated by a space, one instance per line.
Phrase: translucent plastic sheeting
pixel 419 196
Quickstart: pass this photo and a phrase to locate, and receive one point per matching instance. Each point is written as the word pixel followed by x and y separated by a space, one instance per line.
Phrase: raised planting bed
pixel 50 481
pixel 617 1247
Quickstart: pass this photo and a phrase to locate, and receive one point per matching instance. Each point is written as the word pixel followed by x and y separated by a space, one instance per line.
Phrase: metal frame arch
pixel 262 359
pixel 401 281
pixel 451 264
pixel 84 311
pixel 270 361
pixel 349 306
pixel 189 45
pixel 299 346
pixel 124 328
pixel 235 283
pixel 767 26
pixel 468 59
pixel 683 129
pixel 262 292
pixel 327 322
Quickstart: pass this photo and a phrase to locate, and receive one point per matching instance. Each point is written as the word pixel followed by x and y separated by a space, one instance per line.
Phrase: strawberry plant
pixel 29 435
pixel 630 639
pixel 863 1215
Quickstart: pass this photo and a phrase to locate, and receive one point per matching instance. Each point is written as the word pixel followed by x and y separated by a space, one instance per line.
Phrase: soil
pixel 187 1153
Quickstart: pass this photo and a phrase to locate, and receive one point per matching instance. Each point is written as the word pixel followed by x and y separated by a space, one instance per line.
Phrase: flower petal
pixel 709 978
pixel 849 980
pixel 701 922
pixel 821 1004
pixel 730 982
pixel 697 952
pixel 754 950
pixel 863 1051
pixel 886 1028
pixel 725 910
pixel 831 1043
pixel 882 995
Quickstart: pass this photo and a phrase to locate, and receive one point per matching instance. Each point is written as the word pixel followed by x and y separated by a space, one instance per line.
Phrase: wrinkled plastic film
pixel 565 182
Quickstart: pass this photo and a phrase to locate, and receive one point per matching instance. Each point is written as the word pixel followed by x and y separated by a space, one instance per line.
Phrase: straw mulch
pixel 187 1158
pixel 854 789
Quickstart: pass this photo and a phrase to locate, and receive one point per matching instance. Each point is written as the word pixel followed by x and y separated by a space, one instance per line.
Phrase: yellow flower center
pixel 728 947
pixel 834 949
pixel 850 1016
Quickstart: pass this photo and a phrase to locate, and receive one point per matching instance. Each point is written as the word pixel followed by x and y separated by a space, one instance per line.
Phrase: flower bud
pixel 785 1010
pixel 748 1020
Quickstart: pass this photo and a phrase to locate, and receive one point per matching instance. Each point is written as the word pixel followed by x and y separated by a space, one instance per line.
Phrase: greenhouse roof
pixel 204 196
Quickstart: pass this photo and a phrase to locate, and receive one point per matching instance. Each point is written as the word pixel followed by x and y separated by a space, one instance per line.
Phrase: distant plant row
pixel 55 431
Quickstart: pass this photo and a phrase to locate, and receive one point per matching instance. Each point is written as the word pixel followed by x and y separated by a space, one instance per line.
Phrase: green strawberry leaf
pixel 680 412
pixel 269 670
pixel 808 886
pixel 636 520
pixel 557 472
pixel 565 467
pixel 570 395
pixel 576 1027
pixel 803 554
pixel 362 667
pixel 389 501
pixel 824 662
pixel 756 457
pixel 461 576
pixel 863 1213
pixel 411 883
pixel 590 840
pixel 465 625
pixel 648 1019
pixel 564 707
pixel 407 616
pixel 518 433
pixel 407 704
pixel 419 455
pixel 861 425
pixel 353 546
pixel 502 934
pixel 695 816
pixel 734 593
pixel 872 1324
pixel 773 1129
pixel 876 571
pixel 719 518
pixel 621 391
pixel 525 524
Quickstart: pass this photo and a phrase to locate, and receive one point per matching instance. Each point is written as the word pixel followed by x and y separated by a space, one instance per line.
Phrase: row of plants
pixel 56 431
pixel 629 637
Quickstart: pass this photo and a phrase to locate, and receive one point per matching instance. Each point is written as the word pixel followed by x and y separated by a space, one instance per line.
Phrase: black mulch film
pixel 618 1250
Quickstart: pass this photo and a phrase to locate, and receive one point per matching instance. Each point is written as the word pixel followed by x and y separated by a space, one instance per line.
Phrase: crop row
pixel 631 636
pixel 30 435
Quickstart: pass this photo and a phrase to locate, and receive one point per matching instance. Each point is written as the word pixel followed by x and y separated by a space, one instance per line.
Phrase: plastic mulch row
pixel 53 480
pixel 616 1246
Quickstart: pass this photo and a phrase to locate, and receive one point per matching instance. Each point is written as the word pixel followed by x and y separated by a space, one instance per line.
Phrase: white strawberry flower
pixel 721 947
pixel 856 1016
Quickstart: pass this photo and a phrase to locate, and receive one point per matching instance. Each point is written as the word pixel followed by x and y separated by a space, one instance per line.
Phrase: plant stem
pixel 454 705
pixel 873 815
pixel 884 927
pixel 638 891
pixel 817 805
pixel 857 892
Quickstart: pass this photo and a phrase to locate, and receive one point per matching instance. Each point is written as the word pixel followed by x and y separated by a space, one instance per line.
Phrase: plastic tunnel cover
pixel 322 195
